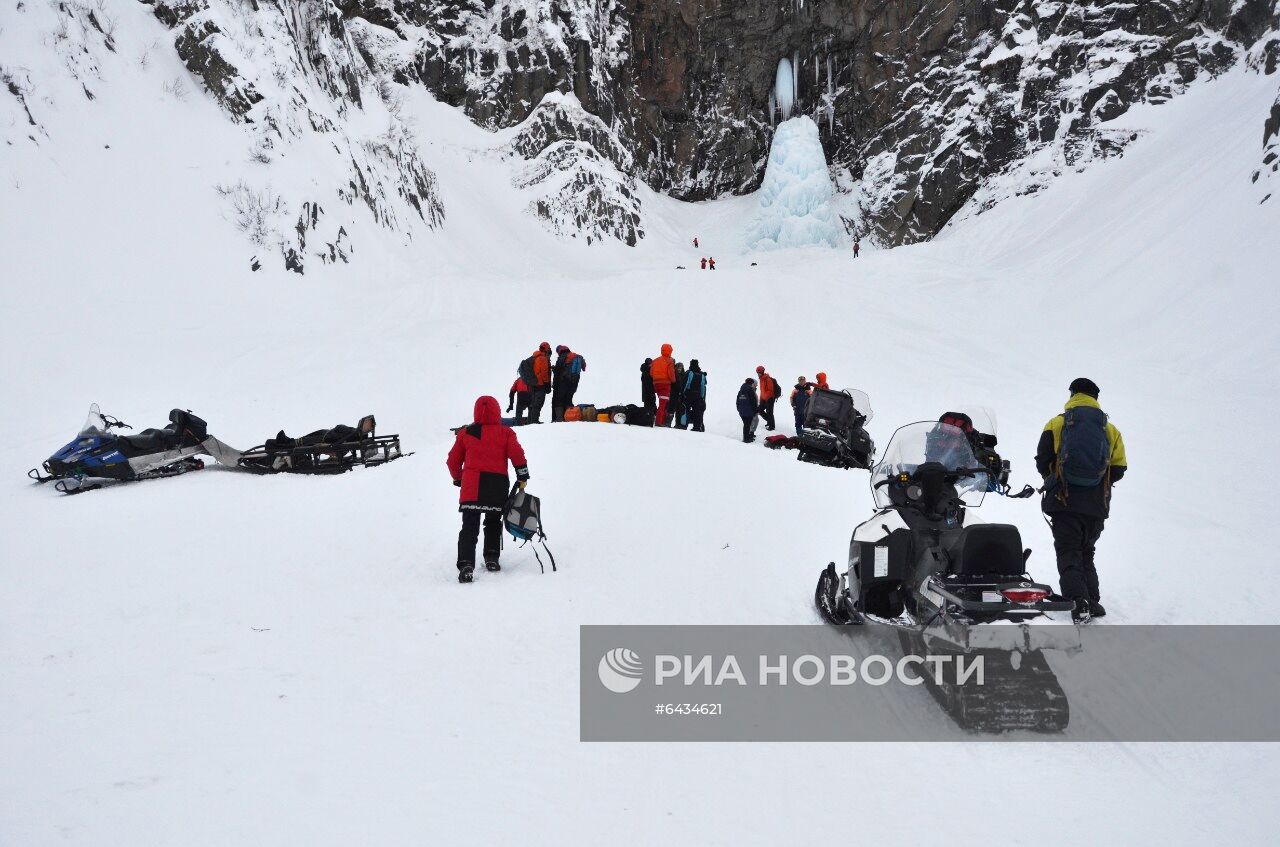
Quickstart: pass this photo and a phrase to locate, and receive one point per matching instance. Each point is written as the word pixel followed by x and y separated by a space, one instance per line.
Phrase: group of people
pixel 757 398
pixel 708 262
pixel 1080 454
pixel 537 376
pixel 673 395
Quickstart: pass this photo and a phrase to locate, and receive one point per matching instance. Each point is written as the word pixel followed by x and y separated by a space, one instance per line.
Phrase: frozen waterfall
pixel 784 88
pixel 795 197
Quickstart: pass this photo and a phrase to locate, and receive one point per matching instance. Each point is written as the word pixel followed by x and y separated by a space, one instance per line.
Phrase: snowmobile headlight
pixel 914 492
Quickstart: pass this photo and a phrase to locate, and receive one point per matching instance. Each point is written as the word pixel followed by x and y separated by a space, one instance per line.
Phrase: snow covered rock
pixel 795 196
pixel 291 72
pixel 577 172
pixel 1265 59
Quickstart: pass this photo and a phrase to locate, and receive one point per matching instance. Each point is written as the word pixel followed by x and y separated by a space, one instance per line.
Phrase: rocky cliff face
pixel 1265 59
pixel 290 72
pixel 920 102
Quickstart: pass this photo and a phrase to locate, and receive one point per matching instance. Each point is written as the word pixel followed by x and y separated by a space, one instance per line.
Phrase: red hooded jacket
pixel 478 460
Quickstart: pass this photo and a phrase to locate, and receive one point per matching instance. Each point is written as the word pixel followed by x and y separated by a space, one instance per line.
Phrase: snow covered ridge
pixel 291 73
pixel 1265 59
pixel 577 172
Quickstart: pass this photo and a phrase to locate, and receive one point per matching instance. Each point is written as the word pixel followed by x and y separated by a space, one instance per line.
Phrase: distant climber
pixel 856 248
pixel 711 263
pixel 568 369
pixel 695 242
pixel 478 465
pixel 694 391
pixel 704 263
pixel 748 406
pixel 800 401
pixel 663 371
pixel 769 392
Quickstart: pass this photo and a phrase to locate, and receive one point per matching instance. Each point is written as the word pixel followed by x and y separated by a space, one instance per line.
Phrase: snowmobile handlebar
pixel 951 476
pixel 111 422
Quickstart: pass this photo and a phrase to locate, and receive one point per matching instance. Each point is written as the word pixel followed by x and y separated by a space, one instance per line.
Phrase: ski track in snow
pixel 227 659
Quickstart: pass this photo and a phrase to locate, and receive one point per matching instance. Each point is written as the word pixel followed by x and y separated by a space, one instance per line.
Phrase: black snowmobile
pixel 325 451
pixel 97 455
pixel 834 430
pixel 953 586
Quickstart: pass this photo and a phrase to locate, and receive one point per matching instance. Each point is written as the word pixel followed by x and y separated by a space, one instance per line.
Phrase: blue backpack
pixel 523 518
pixel 1084 454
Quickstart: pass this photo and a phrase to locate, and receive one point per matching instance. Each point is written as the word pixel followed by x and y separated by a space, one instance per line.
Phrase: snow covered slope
pixel 224 659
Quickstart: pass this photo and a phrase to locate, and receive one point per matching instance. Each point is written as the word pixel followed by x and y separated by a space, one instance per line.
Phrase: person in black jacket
pixel 800 401
pixel 693 391
pixel 748 408
pixel 1078 508
pixel 647 395
pixel 565 375
pixel 675 409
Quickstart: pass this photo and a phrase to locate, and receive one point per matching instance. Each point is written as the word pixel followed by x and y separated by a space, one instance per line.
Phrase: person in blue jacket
pixel 693 390
pixel 748 408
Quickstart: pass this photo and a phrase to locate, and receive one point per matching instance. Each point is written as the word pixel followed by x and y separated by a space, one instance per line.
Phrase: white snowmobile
pixel 951 585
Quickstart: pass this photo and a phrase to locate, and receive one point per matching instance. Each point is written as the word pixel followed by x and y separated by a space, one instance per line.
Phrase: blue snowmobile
pixel 97 455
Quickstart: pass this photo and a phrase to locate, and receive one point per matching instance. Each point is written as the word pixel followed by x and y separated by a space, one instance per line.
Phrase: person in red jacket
pixel 663 372
pixel 704 263
pixel 478 465
pixel 711 262
pixel 822 381
pixel 519 397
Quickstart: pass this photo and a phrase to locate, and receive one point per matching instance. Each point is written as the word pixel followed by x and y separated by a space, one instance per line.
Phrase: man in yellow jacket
pixel 1080 456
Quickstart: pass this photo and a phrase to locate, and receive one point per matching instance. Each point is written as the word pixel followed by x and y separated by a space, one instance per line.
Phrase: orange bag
pixel 573 413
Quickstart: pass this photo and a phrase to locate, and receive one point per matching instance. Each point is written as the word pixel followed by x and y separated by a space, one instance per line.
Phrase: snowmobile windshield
pixel 929 441
pixel 94 424
pixel 983 417
pixel 861 402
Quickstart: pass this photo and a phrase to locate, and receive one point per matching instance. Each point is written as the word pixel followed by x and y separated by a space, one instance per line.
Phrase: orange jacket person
pixel 769 391
pixel 663 371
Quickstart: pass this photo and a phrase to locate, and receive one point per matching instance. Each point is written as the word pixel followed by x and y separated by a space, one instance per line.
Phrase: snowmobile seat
pixel 151 441
pixel 988 550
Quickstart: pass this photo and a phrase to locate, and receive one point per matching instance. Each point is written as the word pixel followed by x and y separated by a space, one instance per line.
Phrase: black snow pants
pixel 562 397
pixel 1074 537
pixel 470 533
pixel 696 410
pixel 766 412
pixel 522 406
pixel 536 398
pixel 749 429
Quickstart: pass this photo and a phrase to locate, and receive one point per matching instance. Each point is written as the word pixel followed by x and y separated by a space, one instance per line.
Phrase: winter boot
pixel 1080 614
pixel 466 571
pixel 491 561
pixel 1096 610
